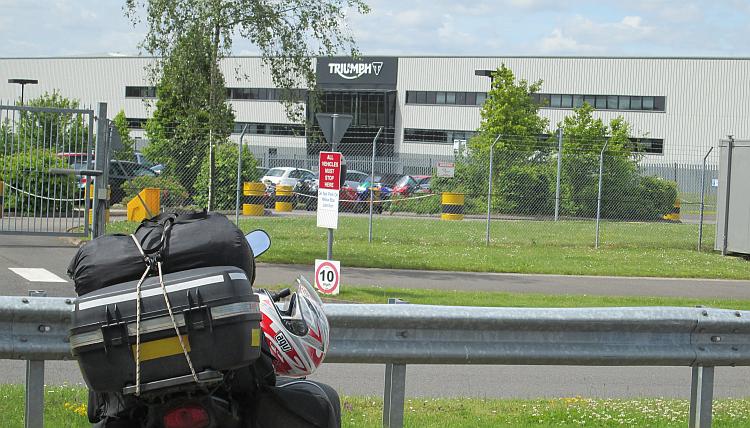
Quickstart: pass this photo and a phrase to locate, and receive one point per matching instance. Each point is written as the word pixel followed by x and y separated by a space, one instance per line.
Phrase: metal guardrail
pixel 36 329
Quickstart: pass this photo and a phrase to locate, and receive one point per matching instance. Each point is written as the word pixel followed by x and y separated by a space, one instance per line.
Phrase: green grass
pixel 352 294
pixel 65 406
pixel 566 247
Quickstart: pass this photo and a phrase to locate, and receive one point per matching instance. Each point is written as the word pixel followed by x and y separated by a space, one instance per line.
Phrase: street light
pixel 23 83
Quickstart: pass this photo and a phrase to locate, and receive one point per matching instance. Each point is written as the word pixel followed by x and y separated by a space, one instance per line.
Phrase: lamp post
pixel 23 83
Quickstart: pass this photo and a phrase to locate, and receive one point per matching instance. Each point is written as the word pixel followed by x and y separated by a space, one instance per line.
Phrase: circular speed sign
pixel 327 276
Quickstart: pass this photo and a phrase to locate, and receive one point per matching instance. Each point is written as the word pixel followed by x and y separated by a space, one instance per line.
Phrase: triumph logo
pixel 351 70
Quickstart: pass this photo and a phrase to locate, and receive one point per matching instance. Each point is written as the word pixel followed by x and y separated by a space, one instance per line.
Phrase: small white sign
pixel 328 208
pixel 714 182
pixel 446 169
pixel 327 276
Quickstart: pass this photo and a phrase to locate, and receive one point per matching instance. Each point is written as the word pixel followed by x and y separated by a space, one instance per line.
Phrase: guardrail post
pixel 701 397
pixel 34 415
pixel 395 389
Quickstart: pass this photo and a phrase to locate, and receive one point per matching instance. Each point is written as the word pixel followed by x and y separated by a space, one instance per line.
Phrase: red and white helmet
pixel 297 335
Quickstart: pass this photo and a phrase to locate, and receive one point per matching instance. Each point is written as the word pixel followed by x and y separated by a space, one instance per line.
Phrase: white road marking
pixel 37 275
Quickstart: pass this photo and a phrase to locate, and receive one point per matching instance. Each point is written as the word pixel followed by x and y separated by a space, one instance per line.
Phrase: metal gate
pixel 45 156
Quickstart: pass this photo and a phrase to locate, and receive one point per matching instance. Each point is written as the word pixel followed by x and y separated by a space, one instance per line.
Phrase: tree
pixel 190 110
pixel 625 193
pixel 511 112
pixel 288 33
pixel 60 132
pixel 127 152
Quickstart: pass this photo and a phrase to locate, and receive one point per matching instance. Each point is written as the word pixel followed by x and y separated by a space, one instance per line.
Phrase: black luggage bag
pixel 215 309
pixel 181 241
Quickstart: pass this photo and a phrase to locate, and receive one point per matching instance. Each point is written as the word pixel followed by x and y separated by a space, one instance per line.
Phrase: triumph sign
pixel 361 73
pixel 352 71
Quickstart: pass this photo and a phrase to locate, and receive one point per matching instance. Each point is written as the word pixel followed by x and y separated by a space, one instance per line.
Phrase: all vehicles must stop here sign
pixel 329 183
pixel 327 276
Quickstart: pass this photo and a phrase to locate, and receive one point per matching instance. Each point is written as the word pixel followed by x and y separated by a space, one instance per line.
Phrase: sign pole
pixel 329 253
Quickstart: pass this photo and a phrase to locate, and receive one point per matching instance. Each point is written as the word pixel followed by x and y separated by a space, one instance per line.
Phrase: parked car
pixel 119 173
pixel 286 176
pixel 141 159
pixel 410 184
pixel 306 192
pixel 354 178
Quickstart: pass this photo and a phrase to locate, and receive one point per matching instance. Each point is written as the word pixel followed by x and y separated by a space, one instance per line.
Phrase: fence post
pixel 395 389
pixel 725 231
pixel 372 181
pixel 599 195
pixel 559 172
pixel 703 196
pixel 489 189
pixel 701 397
pixel 34 414
pixel 240 149
pixel 101 158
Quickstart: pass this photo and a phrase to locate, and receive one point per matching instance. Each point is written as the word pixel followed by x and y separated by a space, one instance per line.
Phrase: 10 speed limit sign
pixel 327 276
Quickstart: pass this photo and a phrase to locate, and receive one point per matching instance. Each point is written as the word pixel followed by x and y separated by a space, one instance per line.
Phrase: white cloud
pixel 557 44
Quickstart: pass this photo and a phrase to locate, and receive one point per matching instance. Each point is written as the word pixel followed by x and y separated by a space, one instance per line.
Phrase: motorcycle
pixel 295 330
pixel 381 193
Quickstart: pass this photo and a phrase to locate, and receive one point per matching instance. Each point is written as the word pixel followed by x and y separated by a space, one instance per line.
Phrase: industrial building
pixel 678 107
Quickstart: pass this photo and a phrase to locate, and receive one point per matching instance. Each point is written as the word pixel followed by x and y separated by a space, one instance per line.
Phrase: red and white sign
pixel 446 169
pixel 329 183
pixel 327 276
pixel 329 170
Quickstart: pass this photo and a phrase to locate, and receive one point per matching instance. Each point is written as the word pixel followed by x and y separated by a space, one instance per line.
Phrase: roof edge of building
pixel 692 58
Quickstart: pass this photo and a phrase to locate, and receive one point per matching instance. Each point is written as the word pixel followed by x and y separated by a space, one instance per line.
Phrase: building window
pixel 140 92
pixel 653 146
pixel 435 135
pixel 443 97
pixel 136 123
pixel 266 94
pixel 270 129
pixel 601 102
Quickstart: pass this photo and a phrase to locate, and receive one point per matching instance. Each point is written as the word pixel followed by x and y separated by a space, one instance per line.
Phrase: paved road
pixel 54 254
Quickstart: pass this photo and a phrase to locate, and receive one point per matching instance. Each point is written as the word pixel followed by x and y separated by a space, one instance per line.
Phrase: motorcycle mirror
pixel 259 242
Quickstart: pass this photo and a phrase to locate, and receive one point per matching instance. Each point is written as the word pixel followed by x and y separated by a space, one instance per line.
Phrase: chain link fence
pixel 583 194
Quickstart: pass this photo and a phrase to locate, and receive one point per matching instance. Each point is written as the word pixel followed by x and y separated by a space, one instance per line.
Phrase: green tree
pixel 511 112
pixel 225 176
pixel 127 152
pixel 190 110
pixel 60 132
pixel 625 193
pixel 288 33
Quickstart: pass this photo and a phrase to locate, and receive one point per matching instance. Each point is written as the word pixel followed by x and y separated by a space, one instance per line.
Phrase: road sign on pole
pixel 327 276
pixel 334 126
pixel 329 183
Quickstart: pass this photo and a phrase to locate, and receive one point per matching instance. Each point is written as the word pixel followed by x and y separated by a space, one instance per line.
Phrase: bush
pixel 172 192
pixel 526 189
pixel 28 171
pixel 225 176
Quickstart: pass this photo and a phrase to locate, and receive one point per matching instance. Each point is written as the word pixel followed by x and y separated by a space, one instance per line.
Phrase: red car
pixel 411 184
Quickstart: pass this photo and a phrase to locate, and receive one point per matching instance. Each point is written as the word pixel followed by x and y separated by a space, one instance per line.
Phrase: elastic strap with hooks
pixel 149 265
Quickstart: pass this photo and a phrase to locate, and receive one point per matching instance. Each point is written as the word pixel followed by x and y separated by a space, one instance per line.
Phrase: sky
pixel 35 28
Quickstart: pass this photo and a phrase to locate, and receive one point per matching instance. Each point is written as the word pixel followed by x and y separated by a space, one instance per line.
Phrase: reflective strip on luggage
pixel 161 348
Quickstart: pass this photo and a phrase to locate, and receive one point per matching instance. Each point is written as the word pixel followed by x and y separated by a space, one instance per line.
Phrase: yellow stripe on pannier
pixel 162 348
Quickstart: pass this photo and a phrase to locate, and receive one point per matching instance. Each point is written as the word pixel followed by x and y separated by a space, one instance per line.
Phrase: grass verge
pixel 565 247
pixel 358 294
pixel 65 406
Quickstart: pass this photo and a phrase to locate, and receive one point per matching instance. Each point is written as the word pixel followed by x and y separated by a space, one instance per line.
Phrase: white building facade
pixel 679 107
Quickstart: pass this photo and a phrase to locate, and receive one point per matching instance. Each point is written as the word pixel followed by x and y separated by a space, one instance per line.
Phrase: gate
pixel 46 158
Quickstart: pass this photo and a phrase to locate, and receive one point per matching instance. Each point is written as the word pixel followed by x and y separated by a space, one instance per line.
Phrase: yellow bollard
pixel 253 198
pixel 452 205
pixel 284 198
pixel 674 215
pixel 91 196
pixel 146 204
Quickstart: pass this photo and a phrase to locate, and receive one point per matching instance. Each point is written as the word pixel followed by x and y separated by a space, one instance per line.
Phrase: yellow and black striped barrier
pixel 2 192
pixel 674 215
pixel 284 198
pixel 253 204
pixel 452 205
